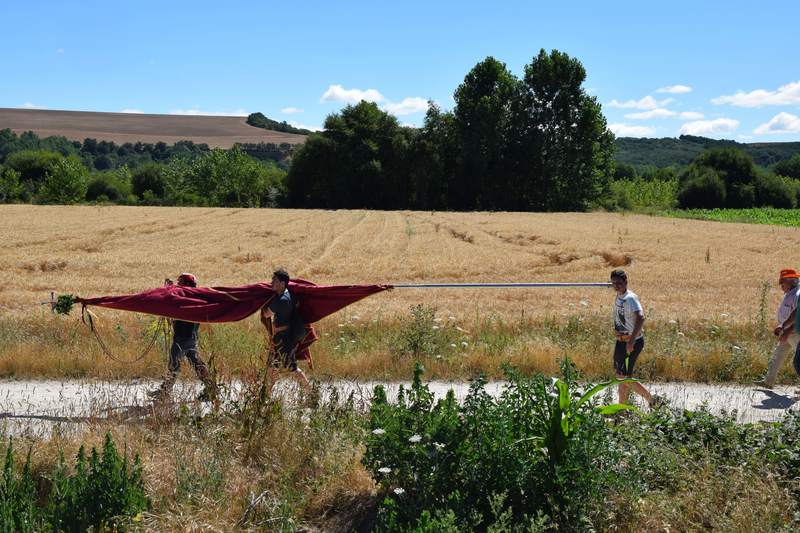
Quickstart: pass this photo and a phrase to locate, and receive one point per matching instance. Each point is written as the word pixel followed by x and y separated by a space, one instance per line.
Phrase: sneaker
pixel 761 383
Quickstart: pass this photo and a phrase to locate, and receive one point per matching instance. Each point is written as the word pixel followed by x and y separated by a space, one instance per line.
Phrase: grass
pixel 761 215
pixel 283 465
pixel 717 349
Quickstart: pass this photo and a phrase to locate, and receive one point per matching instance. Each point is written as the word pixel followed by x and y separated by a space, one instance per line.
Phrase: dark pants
pixel 797 360
pixel 624 361
pixel 184 348
pixel 284 353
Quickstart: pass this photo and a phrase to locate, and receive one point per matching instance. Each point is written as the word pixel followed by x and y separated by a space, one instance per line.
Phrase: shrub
pixel 148 177
pixel 539 445
pixel 10 187
pixel 115 185
pixel 101 489
pixel 701 187
pixel 772 191
pixel 65 182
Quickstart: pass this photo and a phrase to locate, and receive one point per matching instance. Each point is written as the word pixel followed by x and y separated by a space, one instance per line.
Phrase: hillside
pixel 670 151
pixel 217 132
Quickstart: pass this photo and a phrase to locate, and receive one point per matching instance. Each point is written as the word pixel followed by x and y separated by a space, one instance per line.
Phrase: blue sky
pixel 718 69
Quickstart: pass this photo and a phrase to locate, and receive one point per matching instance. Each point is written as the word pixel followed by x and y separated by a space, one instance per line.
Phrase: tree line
pixel 56 170
pixel 539 142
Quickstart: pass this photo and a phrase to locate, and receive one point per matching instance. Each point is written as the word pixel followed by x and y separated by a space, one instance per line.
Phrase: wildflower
pixel 378 431
pixel 673 321
pixel 435 327
pixel 451 318
pixel 584 303
pixel 452 345
pixel 459 329
pixel 724 315
pixel 680 334
pixel 464 344
pixel 355 317
pixel 399 491
pixel 341 325
pixel 384 470
pixel 438 445
pixel 415 438
pixel 352 340
pixel 437 319
pixel 736 347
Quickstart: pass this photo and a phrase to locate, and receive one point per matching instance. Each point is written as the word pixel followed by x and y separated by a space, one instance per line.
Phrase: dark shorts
pixel 284 354
pixel 797 360
pixel 180 348
pixel 623 361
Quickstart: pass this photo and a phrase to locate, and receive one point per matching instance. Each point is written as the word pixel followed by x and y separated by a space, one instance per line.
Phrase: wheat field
pixel 679 268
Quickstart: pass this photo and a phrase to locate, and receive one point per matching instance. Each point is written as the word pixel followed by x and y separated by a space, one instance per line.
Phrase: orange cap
pixel 788 273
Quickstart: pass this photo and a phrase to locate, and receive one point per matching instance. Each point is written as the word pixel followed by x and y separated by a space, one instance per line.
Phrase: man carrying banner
pixel 286 330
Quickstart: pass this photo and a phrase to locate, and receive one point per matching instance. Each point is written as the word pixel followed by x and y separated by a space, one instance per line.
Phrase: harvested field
pixel 682 269
pixel 217 132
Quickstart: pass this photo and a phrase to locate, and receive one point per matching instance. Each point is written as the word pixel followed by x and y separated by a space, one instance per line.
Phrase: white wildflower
pixel 464 344
pixel 438 445
pixel 355 317
pixel 378 431
pixel 459 329
pixel 384 470
pixel 680 334
pixel 399 491
pixel 415 438
pixel 673 321
pixel 341 325
pixel 452 345
pixel 435 327
pixel 584 303
pixel 736 347
pixel 724 315
pixel 437 319
pixel 451 318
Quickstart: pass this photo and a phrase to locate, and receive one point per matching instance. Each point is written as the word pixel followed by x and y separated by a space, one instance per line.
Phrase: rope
pixel 161 327
pixel 494 285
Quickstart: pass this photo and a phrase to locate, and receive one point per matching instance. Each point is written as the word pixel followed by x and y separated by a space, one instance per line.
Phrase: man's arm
pixel 637 330
pixel 266 319
pixel 785 329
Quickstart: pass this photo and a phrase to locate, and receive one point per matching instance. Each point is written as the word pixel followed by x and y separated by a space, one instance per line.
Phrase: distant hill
pixel 216 132
pixel 670 151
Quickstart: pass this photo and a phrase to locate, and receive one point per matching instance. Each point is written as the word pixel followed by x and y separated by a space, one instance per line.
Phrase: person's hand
pixel 629 345
pixel 778 331
pixel 168 282
pixel 784 336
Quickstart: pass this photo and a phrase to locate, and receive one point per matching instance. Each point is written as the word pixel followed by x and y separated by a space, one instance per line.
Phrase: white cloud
pixel 661 112
pixel 628 130
pixel 337 93
pixel 131 110
pixel 303 126
pixel 200 112
pixel 648 102
pixel 781 123
pixel 788 94
pixel 675 89
pixel 406 106
pixel 29 105
pixel 658 112
pixel 706 127
pixel 291 110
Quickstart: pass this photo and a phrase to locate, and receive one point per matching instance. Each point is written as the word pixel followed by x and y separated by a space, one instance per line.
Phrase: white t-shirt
pixel 626 306
pixel 788 305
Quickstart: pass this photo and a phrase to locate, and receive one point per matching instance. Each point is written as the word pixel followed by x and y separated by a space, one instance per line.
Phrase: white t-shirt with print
pixel 625 309
pixel 788 304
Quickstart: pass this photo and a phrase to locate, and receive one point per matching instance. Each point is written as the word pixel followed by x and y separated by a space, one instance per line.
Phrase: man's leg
pixel 173 367
pixel 201 369
pixel 782 351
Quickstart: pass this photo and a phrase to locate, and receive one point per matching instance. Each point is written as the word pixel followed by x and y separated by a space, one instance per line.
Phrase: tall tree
pixel 482 113
pixel 562 147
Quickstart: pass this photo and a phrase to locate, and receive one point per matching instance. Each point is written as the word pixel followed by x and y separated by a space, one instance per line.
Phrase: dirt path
pixel 35 407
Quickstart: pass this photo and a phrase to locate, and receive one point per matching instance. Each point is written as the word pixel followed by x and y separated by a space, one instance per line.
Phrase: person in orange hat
pixel 788 337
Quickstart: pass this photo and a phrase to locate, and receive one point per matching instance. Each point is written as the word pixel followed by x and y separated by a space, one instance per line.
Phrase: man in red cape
pixel 230 304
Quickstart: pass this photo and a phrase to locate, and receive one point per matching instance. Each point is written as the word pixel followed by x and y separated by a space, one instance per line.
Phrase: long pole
pixel 493 285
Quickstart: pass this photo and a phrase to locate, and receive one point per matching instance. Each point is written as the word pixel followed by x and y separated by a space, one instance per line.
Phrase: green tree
pixel 149 177
pixel 65 182
pixel 561 146
pixel 10 187
pixel 482 117
pixel 432 159
pixel 789 168
pixel 737 171
pixel 701 187
pixel 32 166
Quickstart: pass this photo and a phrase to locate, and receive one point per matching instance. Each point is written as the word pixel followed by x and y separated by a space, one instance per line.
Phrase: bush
pixel 65 182
pixel 101 489
pixel 772 191
pixel 148 177
pixel 538 447
pixel 115 185
pixel 10 187
pixel 640 193
pixel 701 187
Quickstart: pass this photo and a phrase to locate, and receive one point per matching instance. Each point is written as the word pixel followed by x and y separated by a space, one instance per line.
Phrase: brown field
pixel 681 269
pixel 217 132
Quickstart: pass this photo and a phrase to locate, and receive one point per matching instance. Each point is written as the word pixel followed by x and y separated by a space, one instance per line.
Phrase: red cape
pixel 229 304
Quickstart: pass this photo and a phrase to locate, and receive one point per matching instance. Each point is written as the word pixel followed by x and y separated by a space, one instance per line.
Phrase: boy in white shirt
pixel 628 328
